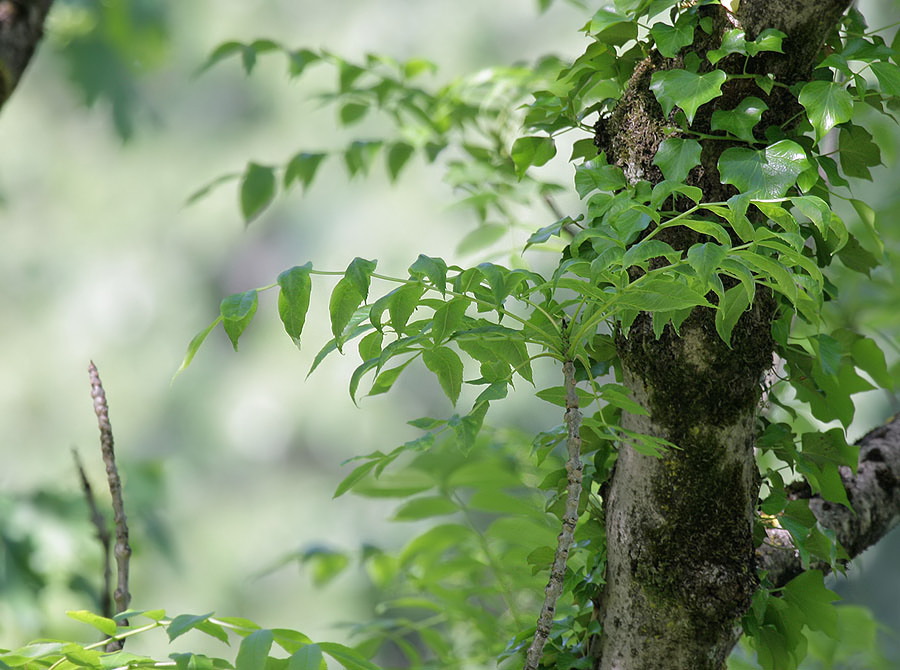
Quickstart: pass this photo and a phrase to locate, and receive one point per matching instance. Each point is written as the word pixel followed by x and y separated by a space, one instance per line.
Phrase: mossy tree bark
pixel 681 561
pixel 21 28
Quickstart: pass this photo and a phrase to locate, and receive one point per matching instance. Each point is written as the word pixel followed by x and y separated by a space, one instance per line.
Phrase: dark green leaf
pixel 763 174
pixel 858 152
pixel 352 112
pixel 676 156
pixel 672 39
pixel 293 299
pixel 257 190
pixel 237 312
pixel 741 120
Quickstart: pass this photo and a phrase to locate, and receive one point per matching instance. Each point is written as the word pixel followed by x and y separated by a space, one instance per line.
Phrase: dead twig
pixel 122 550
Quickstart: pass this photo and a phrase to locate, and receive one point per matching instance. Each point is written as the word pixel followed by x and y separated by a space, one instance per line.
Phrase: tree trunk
pixel 21 28
pixel 681 564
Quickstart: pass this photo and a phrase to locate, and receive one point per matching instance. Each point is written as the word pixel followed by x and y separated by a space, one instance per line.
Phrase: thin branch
pixel 122 549
pixel 570 519
pixel 103 536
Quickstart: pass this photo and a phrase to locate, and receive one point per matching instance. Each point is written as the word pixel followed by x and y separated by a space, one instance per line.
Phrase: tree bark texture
pixel 681 565
pixel 21 28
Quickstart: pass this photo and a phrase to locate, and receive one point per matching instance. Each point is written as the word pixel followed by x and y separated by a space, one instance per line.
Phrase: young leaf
pixel 195 345
pixel 444 363
pixel 237 312
pixel 293 299
pixel 596 176
pixel 257 190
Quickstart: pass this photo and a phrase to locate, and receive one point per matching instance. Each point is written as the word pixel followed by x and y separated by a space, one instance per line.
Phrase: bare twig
pixel 103 536
pixel 570 519
pixel 122 551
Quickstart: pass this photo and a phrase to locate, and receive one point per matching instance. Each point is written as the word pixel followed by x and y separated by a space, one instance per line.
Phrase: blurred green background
pixel 231 469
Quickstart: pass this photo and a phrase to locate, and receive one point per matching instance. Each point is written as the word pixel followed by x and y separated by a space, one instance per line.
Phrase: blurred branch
pixel 122 549
pixel 874 493
pixel 21 28
pixel 102 535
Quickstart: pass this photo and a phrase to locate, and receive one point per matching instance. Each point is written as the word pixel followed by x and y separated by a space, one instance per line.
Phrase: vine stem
pixel 122 550
pixel 570 519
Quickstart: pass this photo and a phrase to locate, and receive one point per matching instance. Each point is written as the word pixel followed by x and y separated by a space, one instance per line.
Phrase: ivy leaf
pixel 857 152
pixel 257 190
pixel 764 174
pixel 237 312
pixel 444 363
pixel 611 28
pixel 293 299
pixel 597 176
pixel 302 168
pixel 672 39
pixel 532 151
pixel 741 120
pixel 687 90
pixel 827 104
pixel 888 77
pixel 676 156
pixel 808 593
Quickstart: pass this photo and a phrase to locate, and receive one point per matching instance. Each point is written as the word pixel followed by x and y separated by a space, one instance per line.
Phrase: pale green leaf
pixel 257 190
pixel 254 650
pixel 237 312
pixel 293 299
pixel 445 363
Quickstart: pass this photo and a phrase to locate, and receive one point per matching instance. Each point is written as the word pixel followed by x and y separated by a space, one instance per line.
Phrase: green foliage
pixel 457 589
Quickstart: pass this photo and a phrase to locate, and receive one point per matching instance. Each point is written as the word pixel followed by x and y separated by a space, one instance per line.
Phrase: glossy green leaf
pixel 741 120
pixel 445 363
pixel 254 650
pixel 302 168
pixel 676 156
pixel 257 190
pixel 532 151
pixel 827 104
pixel 686 90
pixel 237 312
pixel 764 174
pixel 293 299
